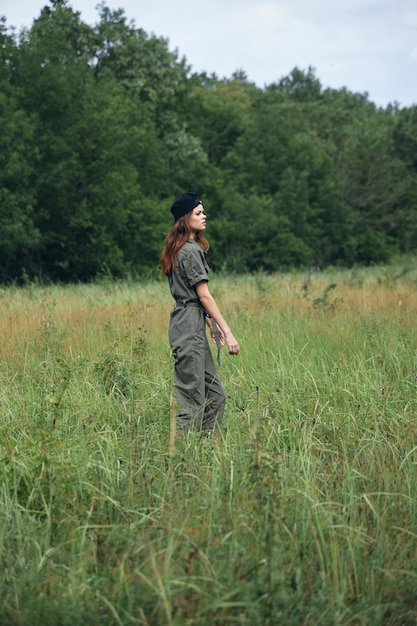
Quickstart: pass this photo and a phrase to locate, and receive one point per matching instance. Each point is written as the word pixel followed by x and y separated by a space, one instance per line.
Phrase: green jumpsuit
pixel 200 396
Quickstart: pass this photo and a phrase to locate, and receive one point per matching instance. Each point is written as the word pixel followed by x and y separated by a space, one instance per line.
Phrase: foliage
pixel 102 126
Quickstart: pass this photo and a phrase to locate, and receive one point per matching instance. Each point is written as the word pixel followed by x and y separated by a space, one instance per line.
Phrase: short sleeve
pixel 195 266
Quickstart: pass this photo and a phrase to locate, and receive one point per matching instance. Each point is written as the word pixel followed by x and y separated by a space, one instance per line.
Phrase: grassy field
pixel 303 511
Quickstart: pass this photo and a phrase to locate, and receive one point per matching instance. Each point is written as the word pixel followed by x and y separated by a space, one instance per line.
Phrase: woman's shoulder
pixel 192 255
pixel 191 247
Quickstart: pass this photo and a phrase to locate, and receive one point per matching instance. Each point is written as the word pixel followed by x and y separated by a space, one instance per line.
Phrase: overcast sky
pixel 364 45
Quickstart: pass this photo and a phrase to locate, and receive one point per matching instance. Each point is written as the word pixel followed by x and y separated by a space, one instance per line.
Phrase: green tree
pixel 253 235
pixel 100 153
pixel 279 156
pixel 219 113
pixel 299 85
pixel 100 127
pixel 19 237
pixel 372 186
pixel 53 74
pixel 405 148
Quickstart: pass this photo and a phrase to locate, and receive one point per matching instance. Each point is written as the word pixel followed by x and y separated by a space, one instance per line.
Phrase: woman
pixel 200 395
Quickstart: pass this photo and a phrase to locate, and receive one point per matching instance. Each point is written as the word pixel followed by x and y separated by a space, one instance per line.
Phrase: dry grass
pixel 79 311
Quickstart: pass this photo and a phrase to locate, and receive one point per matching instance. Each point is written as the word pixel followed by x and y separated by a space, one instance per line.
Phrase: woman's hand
pixel 232 343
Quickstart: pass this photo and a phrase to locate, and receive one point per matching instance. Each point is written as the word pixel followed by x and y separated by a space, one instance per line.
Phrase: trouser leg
pixel 200 395
pixel 189 388
pixel 215 397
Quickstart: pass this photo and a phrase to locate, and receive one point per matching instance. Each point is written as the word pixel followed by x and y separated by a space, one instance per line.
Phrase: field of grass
pixel 302 512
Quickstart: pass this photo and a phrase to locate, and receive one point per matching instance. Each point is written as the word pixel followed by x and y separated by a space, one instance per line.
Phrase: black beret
pixel 184 204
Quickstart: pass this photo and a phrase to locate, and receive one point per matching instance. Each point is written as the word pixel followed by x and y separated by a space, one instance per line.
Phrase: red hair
pixel 176 238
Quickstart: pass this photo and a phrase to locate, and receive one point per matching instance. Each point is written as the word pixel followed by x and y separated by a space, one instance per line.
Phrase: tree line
pixel 102 126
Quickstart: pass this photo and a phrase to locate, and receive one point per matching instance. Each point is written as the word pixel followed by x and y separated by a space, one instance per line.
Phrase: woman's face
pixel 197 221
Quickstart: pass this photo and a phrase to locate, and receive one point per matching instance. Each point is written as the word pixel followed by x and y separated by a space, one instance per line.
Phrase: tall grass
pixel 303 510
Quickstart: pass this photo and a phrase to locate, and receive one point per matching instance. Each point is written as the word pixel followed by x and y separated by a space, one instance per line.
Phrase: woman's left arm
pixel 210 305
